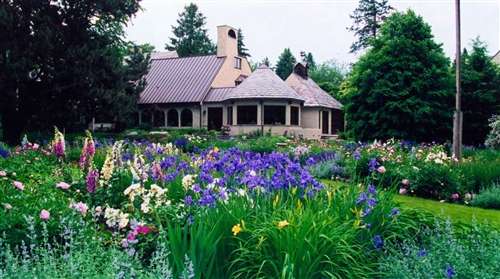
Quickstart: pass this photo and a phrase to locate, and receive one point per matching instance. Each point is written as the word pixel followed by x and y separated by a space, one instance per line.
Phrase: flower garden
pixel 198 206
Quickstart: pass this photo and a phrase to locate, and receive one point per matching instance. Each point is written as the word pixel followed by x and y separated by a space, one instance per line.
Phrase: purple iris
pixel 394 212
pixel 450 272
pixel 356 155
pixel 422 253
pixel 373 165
pixel 378 242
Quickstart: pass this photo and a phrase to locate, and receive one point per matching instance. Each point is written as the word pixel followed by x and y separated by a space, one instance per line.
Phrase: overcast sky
pixel 318 26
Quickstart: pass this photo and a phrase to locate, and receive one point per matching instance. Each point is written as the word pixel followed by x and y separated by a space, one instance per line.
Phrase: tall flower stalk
pixel 88 152
pixel 58 144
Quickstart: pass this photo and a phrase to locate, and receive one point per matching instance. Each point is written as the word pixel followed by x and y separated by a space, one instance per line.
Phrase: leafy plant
pixel 488 198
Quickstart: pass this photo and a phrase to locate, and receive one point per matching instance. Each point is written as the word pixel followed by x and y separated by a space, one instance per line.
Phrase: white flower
pixel 188 180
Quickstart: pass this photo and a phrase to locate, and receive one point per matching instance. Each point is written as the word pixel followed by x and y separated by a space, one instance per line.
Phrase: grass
pixel 457 213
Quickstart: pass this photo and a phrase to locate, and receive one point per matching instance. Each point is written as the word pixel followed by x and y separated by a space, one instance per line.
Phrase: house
pixel 496 58
pixel 220 90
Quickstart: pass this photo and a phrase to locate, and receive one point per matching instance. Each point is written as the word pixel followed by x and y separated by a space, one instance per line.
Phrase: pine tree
pixel 285 64
pixel 266 62
pixel 309 59
pixel 242 50
pixel 402 87
pixel 190 34
pixel 480 92
pixel 368 17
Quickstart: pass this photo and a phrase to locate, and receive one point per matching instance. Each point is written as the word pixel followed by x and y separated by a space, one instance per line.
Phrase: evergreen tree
pixel 308 58
pixel 266 62
pixel 368 17
pixel 242 50
pixel 285 64
pixel 480 92
pixel 190 34
pixel 402 87
pixel 61 63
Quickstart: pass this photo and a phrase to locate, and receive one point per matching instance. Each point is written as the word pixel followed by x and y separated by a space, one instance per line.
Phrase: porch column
pixel 165 117
pixel 235 114
pixel 140 117
pixel 179 117
pixel 330 115
pixel 288 115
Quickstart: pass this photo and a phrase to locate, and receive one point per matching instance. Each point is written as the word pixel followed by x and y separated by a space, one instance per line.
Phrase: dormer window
pixel 237 63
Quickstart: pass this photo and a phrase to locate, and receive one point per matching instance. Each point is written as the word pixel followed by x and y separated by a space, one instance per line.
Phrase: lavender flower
pixel 92 178
pixel 449 271
pixel 378 242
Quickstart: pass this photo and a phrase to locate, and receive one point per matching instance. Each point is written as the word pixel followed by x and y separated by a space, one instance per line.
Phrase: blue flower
pixel 422 252
pixel 188 200
pixel 4 153
pixel 378 242
pixel 361 198
pixel 356 155
pixel 450 272
pixel 394 212
pixel 371 189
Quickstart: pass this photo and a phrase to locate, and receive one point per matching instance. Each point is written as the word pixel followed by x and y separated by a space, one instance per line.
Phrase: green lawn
pixel 457 213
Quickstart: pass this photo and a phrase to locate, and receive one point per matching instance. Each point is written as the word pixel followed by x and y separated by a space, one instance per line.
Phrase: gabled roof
pixel 308 89
pixel 263 83
pixel 180 80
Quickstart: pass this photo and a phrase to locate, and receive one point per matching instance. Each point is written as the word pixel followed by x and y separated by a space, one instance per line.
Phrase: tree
pixel 368 17
pixel 242 50
pixel 266 62
pixel 402 87
pixel 480 92
pixel 308 58
pixel 329 77
pixel 190 34
pixel 285 64
pixel 61 61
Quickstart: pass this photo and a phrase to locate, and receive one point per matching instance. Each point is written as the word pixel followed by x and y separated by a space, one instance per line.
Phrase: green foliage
pixel 308 59
pixel 480 92
pixel 190 36
pixel 445 253
pixel 368 17
pixel 401 88
pixel 493 139
pixel 63 64
pixel 285 64
pixel 488 198
pixel 480 170
pixel 329 77
pixel 242 50
pixel 262 144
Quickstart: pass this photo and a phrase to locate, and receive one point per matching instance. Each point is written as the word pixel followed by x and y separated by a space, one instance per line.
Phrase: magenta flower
pixel 88 151
pixel 140 229
pixel 58 145
pixel 92 178
pixel 44 215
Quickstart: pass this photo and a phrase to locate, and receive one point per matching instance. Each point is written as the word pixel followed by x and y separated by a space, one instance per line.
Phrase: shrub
pixel 444 253
pixel 493 138
pixel 488 198
pixel 480 171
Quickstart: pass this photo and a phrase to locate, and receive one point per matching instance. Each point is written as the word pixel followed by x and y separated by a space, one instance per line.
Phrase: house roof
pixel 313 94
pixel 164 54
pixel 263 83
pixel 218 94
pixel 180 80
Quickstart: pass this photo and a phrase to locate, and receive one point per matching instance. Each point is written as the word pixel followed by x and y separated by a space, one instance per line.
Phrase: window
pixel 229 115
pixel 186 118
pixel 247 115
pixel 294 115
pixel 237 63
pixel 274 115
pixel 173 118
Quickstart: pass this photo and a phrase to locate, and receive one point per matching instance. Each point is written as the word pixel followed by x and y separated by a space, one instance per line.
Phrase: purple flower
pixel 4 153
pixel 450 272
pixel 372 190
pixel 371 202
pixel 373 165
pixel 361 198
pixel 188 200
pixel 356 155
pixel 92 178
pixel 378 242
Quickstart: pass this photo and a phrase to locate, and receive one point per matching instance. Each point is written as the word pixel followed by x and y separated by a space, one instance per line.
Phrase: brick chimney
pixel 227 41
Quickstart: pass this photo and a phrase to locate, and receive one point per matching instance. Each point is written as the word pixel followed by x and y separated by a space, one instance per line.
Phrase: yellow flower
pixel 282 224
pixel 236 229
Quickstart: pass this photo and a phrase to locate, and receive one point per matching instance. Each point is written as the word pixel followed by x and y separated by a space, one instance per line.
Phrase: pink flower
pixel 402 191
pixel 7 206
pixel 18 185
pixel 63 185
pixel 44 215
pixel 405 182
pixel 455 196
pixel 381 169
pixel 81 207
pixel 3 173
pixel 35 146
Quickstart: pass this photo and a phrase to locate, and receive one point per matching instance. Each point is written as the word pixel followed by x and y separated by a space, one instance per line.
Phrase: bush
pixel 444 253
pixel 493 138
pixel 480 171
pixel 488 198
